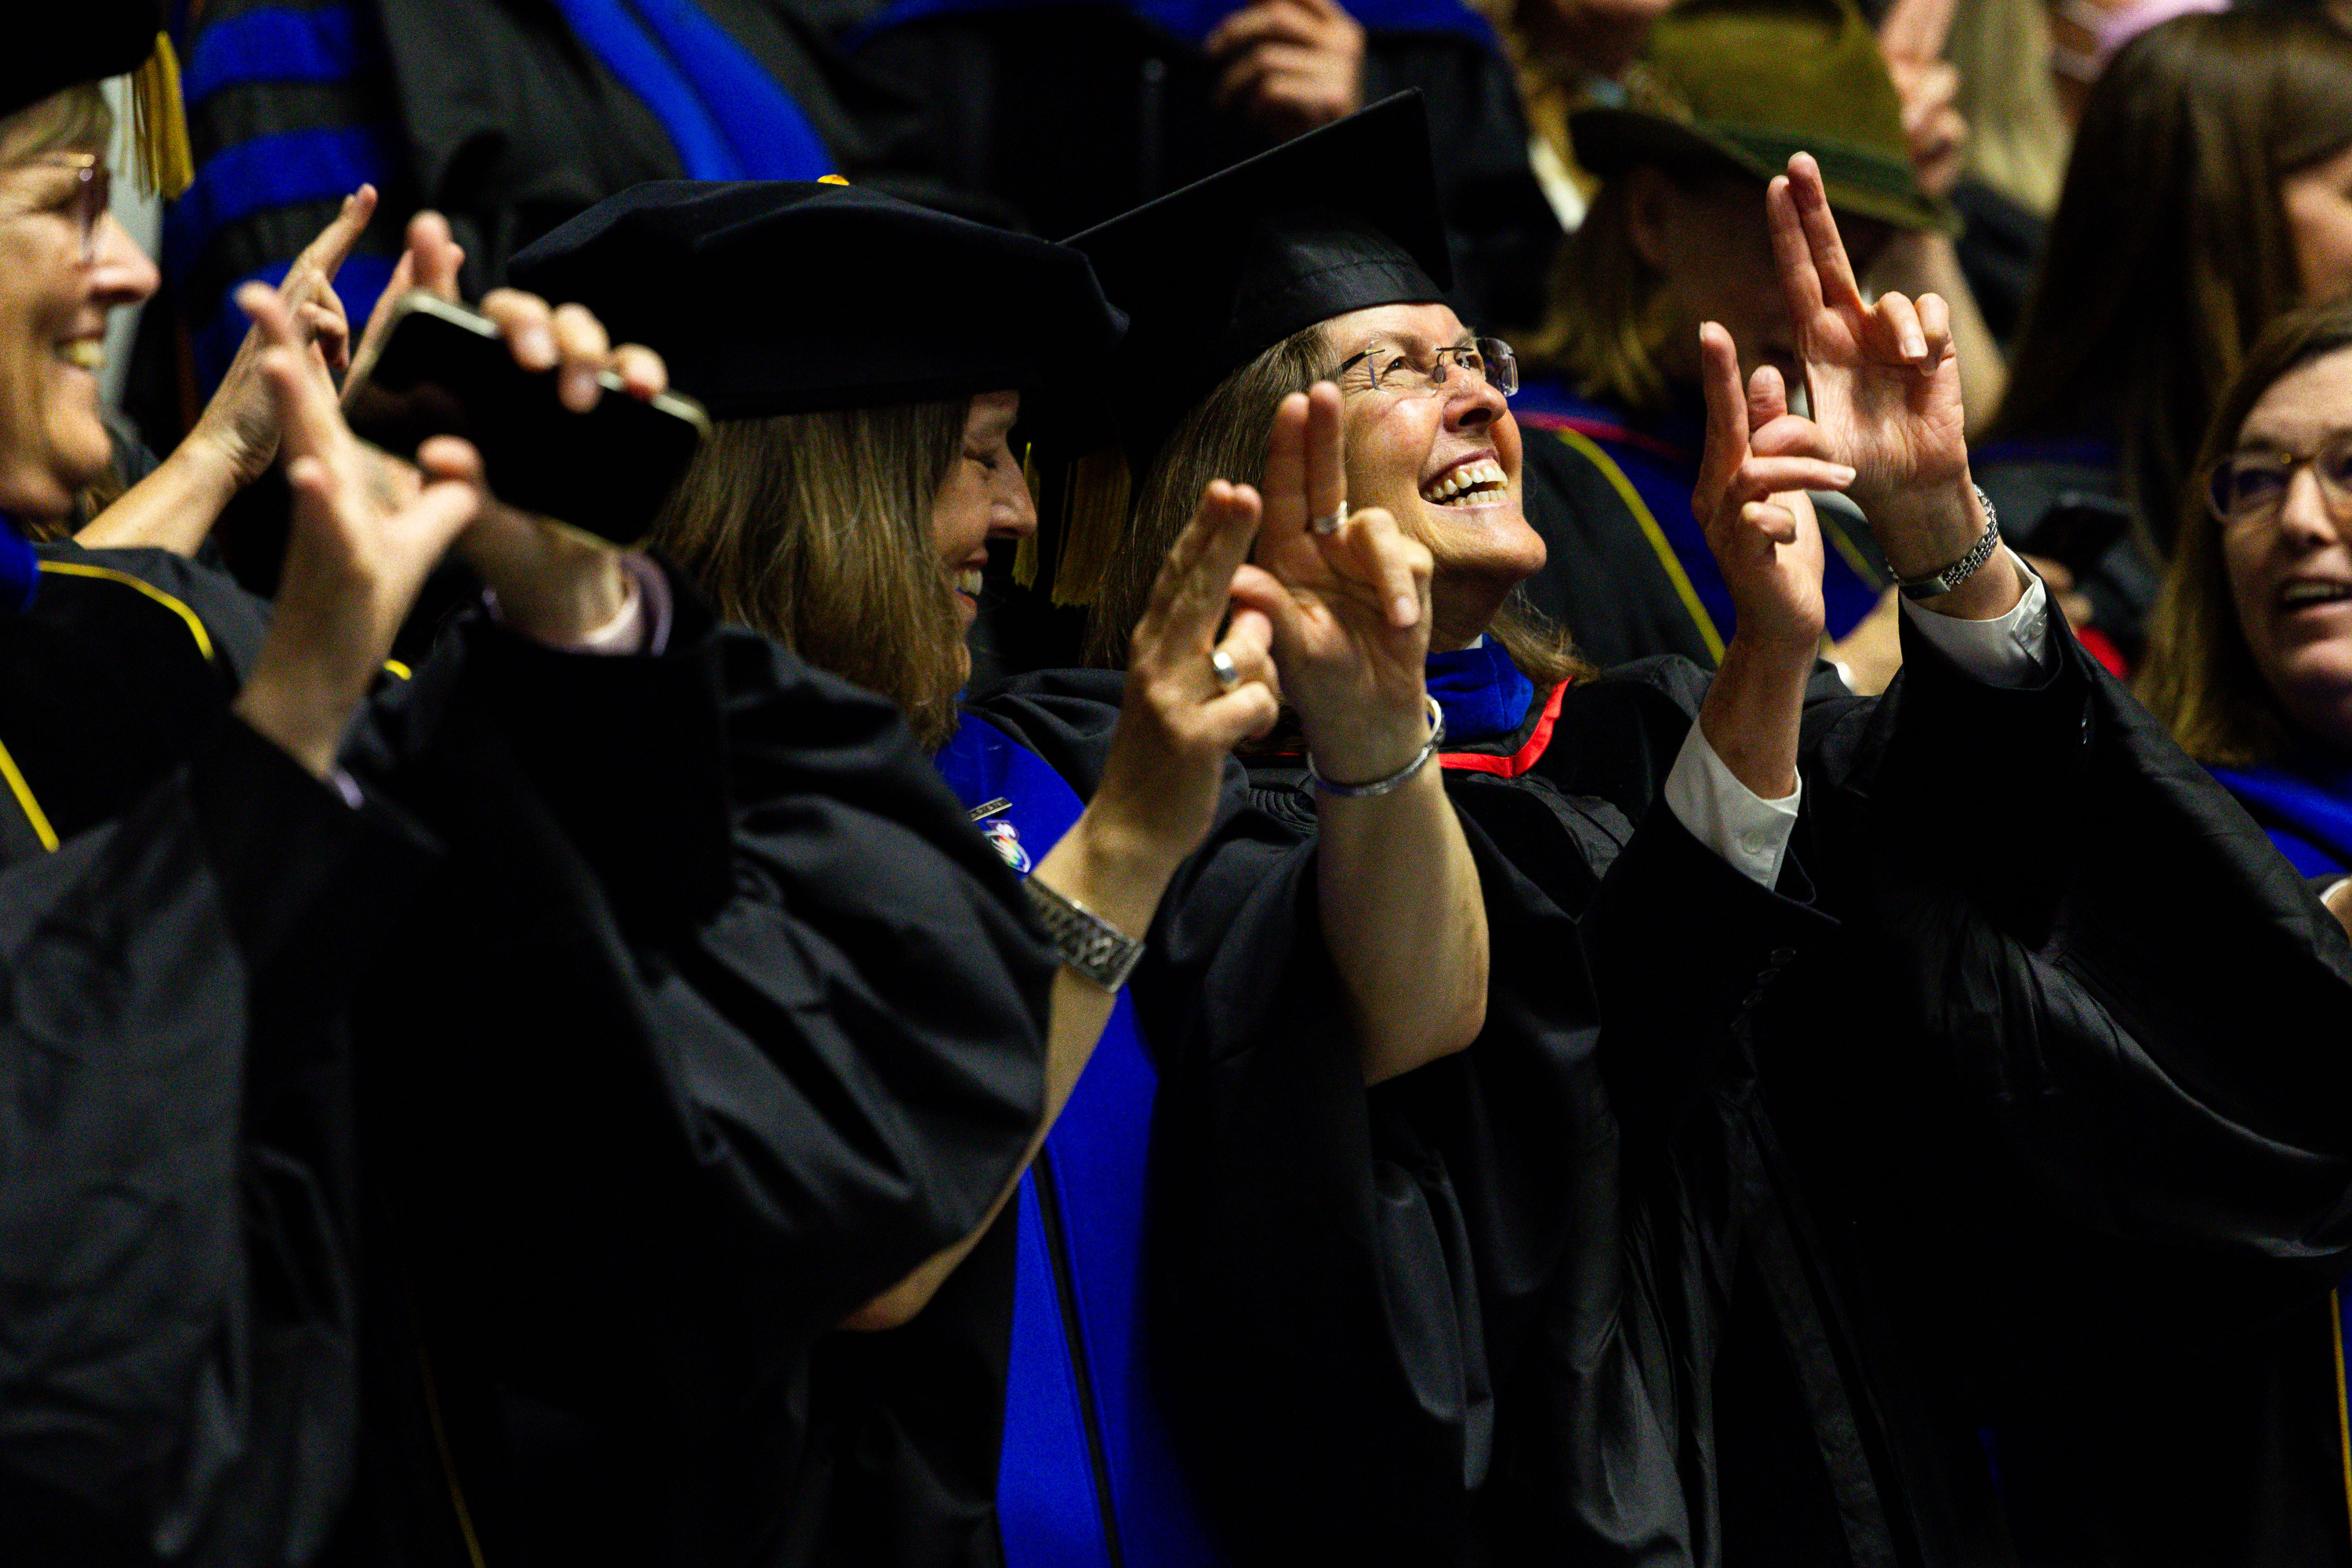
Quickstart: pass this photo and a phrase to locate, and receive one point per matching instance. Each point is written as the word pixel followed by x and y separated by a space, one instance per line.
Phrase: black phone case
pixel 606 472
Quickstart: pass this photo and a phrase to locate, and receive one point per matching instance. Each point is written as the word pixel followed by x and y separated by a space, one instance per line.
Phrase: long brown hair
pixel 2171 252
pixel 816 530
pixel 1224 436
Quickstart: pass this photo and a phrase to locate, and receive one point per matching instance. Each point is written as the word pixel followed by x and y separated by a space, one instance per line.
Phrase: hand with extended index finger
pixel 1758 461
pixel 1884 380
pixel 239 425
pixel 364 536
pixel 1182 714
pixel 1352 622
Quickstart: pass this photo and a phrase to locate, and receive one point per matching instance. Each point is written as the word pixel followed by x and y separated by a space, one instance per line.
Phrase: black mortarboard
pixel 61 46
pixel 1211 276
pixel 779 297
pixel 56 46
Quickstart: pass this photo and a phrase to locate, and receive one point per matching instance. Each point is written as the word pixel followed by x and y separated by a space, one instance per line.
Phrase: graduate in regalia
pixel 859 471
pixel 1854 1104
pixel 414 1052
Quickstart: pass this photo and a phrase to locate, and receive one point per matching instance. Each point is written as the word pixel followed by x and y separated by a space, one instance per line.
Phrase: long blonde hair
pixel 816 530
pixel 2200 676
pixel 1224 436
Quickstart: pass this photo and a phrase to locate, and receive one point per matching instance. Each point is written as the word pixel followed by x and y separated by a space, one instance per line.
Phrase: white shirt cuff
pixel 2009 651
pixel 1750 832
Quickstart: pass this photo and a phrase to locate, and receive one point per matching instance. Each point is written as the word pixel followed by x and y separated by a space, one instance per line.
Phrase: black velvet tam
pixel 1211 276
pixel 781 297
pixel 52 48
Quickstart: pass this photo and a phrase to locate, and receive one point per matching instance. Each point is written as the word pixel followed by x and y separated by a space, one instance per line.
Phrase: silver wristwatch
pixel 1936 584
pixel 1090 946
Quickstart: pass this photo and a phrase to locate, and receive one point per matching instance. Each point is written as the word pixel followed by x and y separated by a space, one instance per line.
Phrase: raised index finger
pixel 1726 416
pixel 325 254
pixel 1284 485
pixel 1800 284
pixel 1326 473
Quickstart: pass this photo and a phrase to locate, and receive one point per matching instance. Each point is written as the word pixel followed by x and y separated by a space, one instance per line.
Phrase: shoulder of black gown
pixel 1064 716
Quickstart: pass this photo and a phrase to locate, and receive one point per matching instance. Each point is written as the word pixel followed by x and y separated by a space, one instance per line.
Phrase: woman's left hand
pixel 1350 607
pixel 238 429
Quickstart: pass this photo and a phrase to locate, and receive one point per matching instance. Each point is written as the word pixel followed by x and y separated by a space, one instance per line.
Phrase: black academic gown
pixel 1689 1258
pixel 646 1109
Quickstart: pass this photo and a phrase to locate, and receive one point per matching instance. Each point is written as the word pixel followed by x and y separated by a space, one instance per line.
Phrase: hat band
pixel 1843 162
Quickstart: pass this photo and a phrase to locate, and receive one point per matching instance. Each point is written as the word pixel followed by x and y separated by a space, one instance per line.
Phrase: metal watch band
pixel 1940 583
pixel 1090 946
pixel 1395 781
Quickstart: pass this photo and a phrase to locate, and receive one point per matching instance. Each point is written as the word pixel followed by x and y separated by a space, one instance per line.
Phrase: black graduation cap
pixel 1212 275
pixel 781 297
pixel 58 46
pixel 55 46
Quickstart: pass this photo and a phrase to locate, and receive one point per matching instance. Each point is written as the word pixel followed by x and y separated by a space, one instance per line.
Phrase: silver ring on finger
pixel 1329 523
pixel 1222 665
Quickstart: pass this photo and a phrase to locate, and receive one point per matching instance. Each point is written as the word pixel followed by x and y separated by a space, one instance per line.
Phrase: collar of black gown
pixel 1339 219
pixel 55 46
pixel 781 297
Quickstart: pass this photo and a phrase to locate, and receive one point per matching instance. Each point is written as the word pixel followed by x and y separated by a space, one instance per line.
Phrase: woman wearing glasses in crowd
pixel 506 917
pixel 2250 666
pixel 1832 1106
pixel 845 504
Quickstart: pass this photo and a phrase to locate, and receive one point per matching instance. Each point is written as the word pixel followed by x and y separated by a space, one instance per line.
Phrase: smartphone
pixel 444 371
pixel 2078 530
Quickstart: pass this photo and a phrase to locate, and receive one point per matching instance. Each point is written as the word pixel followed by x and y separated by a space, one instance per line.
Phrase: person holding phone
pixel 329 986
pixel 846 502
pixel 1832 1106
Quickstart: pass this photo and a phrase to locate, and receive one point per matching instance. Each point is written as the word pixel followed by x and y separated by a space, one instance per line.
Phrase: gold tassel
pixel 1094 524
pixel 160 123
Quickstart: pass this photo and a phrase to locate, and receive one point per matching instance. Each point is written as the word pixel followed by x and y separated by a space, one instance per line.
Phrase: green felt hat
pixel 1745 83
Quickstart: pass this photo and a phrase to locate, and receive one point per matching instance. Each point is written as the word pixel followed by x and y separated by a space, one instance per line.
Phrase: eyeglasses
pixel 2251 486
pixel 92 195
pixel 1487 360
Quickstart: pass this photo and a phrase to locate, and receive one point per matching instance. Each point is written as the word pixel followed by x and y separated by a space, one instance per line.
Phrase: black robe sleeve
pixel 175 1332
pixel 722 1021
pixel 2141 999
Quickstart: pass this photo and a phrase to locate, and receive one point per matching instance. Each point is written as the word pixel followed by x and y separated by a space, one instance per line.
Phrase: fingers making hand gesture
pixel 1348 595
pixel 1192 696
pixel 1758 463
pixel 365 533
pixel 1883 381
pixel 240 423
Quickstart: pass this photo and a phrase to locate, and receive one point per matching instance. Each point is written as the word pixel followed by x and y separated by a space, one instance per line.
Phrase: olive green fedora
pixel 1746 83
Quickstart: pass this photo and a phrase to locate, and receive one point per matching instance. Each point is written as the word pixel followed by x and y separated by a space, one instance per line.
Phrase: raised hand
pixel 430 261
pixel 240 426
pixel 365 533
pixel 1758 461
pixel 1181 715
pixel 1350 605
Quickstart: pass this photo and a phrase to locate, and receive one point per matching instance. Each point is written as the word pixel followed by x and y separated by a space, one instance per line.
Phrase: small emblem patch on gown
pixel 1007 840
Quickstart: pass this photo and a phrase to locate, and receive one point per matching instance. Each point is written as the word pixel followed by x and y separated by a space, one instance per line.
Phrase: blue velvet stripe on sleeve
pixel 726 116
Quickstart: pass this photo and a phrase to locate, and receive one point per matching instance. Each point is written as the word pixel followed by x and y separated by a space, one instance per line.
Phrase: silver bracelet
pixel 1395 781
pixel 1938 584
pixel 1090 946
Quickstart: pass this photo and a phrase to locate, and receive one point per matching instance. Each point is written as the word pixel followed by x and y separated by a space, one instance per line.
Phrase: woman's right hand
pixel 1177 724
pixel 366 531
pixel 1349 606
